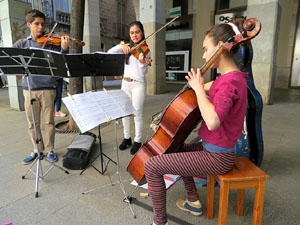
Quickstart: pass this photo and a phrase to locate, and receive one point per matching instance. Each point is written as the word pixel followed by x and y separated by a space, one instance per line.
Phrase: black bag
pixel 79 152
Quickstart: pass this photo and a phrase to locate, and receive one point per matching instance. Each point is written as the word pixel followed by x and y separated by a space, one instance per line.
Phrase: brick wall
pixel 109 21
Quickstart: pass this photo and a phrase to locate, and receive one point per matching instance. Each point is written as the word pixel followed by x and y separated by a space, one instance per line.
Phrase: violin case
pixel 79 152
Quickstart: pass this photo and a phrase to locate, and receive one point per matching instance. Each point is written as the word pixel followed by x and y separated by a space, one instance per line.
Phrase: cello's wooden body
pixel 179 119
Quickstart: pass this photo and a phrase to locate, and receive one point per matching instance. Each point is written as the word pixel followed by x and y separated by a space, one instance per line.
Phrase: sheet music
pixel 45 50
pixel 91 109
pixel 91 53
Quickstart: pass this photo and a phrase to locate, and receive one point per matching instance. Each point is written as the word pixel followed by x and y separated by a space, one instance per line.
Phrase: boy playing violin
pixel 43 90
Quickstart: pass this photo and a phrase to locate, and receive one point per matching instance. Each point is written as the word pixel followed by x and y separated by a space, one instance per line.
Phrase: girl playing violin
pixel 223 115
pixel 133 84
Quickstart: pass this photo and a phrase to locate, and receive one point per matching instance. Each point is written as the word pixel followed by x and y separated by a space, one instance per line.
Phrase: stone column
pixel 203 17
pixel 265 45
pixel 12 19
pixel 92 38
pixel 13 27
pixel 286 40
pixel 152 15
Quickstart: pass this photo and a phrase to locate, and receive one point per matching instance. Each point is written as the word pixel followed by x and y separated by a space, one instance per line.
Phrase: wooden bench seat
pixel 244 175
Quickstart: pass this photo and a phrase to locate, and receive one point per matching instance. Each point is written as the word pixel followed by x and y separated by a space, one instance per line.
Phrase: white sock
pixel 155 224
pixel 196 202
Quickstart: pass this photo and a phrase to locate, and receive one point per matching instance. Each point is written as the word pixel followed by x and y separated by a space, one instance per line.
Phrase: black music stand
pixel 96 64
pixel 33 62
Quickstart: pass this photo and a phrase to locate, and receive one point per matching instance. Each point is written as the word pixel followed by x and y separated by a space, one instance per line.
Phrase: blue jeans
pixel 58 94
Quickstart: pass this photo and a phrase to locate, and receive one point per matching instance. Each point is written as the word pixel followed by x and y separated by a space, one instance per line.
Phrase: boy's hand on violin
pixel 195 80
pixel 65 42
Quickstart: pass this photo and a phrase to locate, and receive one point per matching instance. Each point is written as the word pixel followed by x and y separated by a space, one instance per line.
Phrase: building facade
pixel 115 17
pixel 276 49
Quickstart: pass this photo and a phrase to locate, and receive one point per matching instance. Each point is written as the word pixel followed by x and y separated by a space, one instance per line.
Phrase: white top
pixel 134 69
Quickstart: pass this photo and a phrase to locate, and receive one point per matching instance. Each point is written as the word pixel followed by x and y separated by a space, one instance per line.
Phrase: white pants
pixel 136 92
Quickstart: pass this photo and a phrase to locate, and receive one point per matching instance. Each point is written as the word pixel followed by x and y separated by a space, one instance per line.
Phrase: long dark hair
pixel 131 43
pixel 222 32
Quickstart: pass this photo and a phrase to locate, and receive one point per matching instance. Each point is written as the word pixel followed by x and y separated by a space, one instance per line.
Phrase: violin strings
pixel 50 34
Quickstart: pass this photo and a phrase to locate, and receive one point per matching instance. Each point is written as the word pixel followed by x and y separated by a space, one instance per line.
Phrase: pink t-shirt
pixel 228 94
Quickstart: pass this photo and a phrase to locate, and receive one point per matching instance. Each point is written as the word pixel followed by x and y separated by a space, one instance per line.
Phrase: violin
pixel 141 48
pixel 55 39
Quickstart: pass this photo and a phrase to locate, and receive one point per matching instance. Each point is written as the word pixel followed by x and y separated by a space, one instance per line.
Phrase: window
pixel 230 4
pixel 183 5
pixel 66 6
pixel 57 4
pixel 121 13
pixel 63 5
pixel 222 4
pixel 122 29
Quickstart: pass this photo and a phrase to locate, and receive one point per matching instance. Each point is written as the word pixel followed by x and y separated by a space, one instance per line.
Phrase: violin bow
pixel 155 32
pixel 49 35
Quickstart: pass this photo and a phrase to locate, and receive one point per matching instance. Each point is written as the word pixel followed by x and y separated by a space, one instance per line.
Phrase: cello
pixel 182 114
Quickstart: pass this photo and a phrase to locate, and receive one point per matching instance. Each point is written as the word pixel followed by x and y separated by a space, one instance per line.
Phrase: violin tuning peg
pixel 231 39
pixel 244 33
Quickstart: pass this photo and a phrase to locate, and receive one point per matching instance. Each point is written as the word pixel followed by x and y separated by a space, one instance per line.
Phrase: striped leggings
pixel 193 160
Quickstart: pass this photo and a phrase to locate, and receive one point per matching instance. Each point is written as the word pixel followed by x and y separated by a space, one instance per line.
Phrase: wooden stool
pixel 244 175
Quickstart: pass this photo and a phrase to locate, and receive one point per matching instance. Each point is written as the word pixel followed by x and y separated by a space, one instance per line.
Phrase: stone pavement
pixel 61 200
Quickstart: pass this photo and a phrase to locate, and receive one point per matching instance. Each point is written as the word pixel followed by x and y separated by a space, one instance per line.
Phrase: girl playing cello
pixel 223 115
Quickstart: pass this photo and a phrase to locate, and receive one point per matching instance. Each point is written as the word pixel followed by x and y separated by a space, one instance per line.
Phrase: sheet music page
pixel 91 109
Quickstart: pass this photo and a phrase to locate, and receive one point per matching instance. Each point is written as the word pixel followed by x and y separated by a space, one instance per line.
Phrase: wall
pixel 12 14
pixel 286 42
pixel 203 18
pixel 169 4
pixel 237 3
pixel 265 45
pixel 108 14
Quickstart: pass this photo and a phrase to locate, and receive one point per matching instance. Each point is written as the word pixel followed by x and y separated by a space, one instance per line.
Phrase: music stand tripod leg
pixel 39 171
pixel 101 154
pixel 37 140
pixel 126 199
